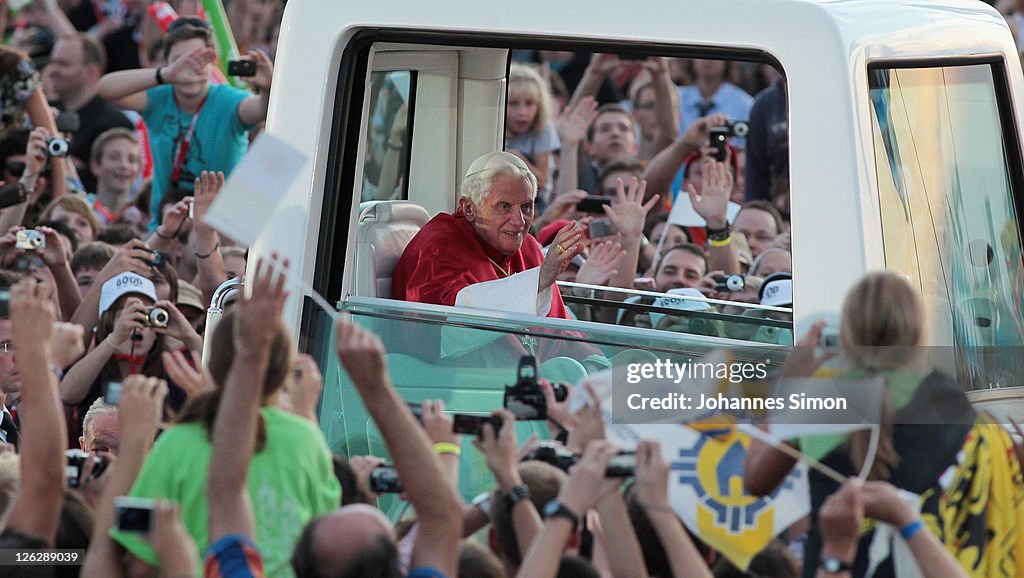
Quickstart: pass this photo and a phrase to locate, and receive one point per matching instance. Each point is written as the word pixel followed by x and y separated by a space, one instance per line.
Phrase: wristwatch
pixel 555 509
pixel 515 495
pixel 834 565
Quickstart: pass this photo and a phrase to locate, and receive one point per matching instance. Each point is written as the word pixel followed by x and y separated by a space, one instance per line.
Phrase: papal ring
pixel 560 249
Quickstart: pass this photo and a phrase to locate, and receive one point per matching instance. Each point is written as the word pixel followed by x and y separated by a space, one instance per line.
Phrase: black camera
pixel 469 424
pixel 384 480
pixel 729 283
pixel 622 465
pixel 134 514
pixel 158 260
pixel 77 460
pixel 242 67
pixel 719 135
pixel 525 399
pixel 57 147
pixel 157 317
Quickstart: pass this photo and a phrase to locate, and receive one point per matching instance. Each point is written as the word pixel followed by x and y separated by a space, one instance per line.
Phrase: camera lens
pixel 158 317
pixel 57 147
pixel 740 128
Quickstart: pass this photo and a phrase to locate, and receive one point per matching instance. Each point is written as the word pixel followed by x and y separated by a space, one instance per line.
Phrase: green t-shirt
pixel 290 481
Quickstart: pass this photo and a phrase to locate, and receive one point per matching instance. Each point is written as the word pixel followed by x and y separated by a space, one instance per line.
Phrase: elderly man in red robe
pixel 483 255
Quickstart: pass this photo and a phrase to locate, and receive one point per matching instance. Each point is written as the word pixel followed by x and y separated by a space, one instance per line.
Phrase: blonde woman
pixel 930 441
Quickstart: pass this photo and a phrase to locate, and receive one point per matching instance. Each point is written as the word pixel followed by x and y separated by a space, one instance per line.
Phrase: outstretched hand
pixel 258 316
pixel 629 211
pixel 713 202
pixel 573 121
pixel 566 245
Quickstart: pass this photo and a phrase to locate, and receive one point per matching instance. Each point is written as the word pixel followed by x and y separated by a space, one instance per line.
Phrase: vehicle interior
pixel 413 111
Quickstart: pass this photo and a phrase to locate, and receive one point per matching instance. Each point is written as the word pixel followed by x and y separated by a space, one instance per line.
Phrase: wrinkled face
pixel 759 228
pixel 118 165
pixel 679 269
pixel 674 235
pixel 67 70
pixel 644 111
pixel 522 108
pixel 102 435
pixel 85 278
pixel 504 216
pixel 9 380
pixel 180 50
pixel 78 224
pixel 613 138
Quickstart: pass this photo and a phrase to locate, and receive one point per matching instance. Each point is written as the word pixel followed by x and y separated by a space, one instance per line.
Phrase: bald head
pixel 354 536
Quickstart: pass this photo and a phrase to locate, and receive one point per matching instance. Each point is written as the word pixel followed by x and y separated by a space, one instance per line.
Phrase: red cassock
pixel 447 255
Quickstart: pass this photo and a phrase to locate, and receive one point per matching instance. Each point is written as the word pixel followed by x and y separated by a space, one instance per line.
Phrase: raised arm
pixel 572 126
pixel 205 241
pixel 665 102
pixel 253 110
pixel 234 431
pixel 127 88
pixel 36 507
pixel 628 214
pixel 601 65
pixel 713 205
pixel 662 169
pixel 139 412
pixel 437 504
pixel 652 491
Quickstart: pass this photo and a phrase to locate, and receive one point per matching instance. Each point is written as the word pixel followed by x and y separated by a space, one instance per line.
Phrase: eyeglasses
pixel 188 21
pixel 16 169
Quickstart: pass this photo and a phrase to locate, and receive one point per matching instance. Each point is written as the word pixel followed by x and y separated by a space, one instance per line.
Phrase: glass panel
pixel 466 360
pixel 388 140
pixel 948 219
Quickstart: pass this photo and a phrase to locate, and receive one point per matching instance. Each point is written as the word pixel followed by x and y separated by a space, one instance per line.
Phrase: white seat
pixel 385 229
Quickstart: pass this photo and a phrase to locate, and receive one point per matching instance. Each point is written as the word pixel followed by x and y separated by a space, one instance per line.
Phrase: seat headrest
pixel 393 212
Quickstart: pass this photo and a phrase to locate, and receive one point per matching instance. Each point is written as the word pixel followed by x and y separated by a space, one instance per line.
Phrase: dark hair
pixel 763 205
pixel 93 255
pixel 478 562
pixel 93 51
pixel 687 247
pixel 117 234
pixel 14 143
pixel 775 561
pixel 62 229
pixel 154 366
pixel 624 164
pixel 74 529
pixel 650 544
pixel 202 407
pixel 544 481
pixel 607 109
pixel 378 561
pixel 657 218
pixel 15 540
pixel 351 493
pixel 187 31
pixel 576 567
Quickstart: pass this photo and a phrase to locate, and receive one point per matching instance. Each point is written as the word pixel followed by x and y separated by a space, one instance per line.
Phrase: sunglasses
pixel 15 168
pixel 188 21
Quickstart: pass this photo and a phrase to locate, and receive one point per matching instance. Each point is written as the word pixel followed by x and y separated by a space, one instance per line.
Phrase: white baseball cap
pixel 124 284
pixel 777 290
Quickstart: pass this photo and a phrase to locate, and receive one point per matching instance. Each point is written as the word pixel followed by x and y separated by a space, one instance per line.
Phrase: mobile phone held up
pixel 242 68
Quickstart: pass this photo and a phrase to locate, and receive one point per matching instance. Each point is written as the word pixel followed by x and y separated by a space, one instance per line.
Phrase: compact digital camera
pixel 157 317
pixel 57 147
pixel 30 240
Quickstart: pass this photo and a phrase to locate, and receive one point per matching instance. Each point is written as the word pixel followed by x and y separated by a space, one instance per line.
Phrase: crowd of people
pixel 118 439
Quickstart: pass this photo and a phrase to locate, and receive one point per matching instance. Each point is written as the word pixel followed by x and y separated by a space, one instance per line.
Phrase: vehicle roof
pixel 823 47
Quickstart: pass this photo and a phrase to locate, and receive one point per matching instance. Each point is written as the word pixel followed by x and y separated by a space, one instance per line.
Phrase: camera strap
pixel 182 145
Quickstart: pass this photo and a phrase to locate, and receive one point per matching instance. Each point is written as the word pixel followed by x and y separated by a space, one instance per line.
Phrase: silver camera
pixel 30 240
pixel 157 317
pixel 57 146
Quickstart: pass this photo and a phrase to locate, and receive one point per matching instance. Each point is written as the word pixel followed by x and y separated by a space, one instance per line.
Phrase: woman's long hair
pixel 202 407
pixel 154 365
pixel 882 329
